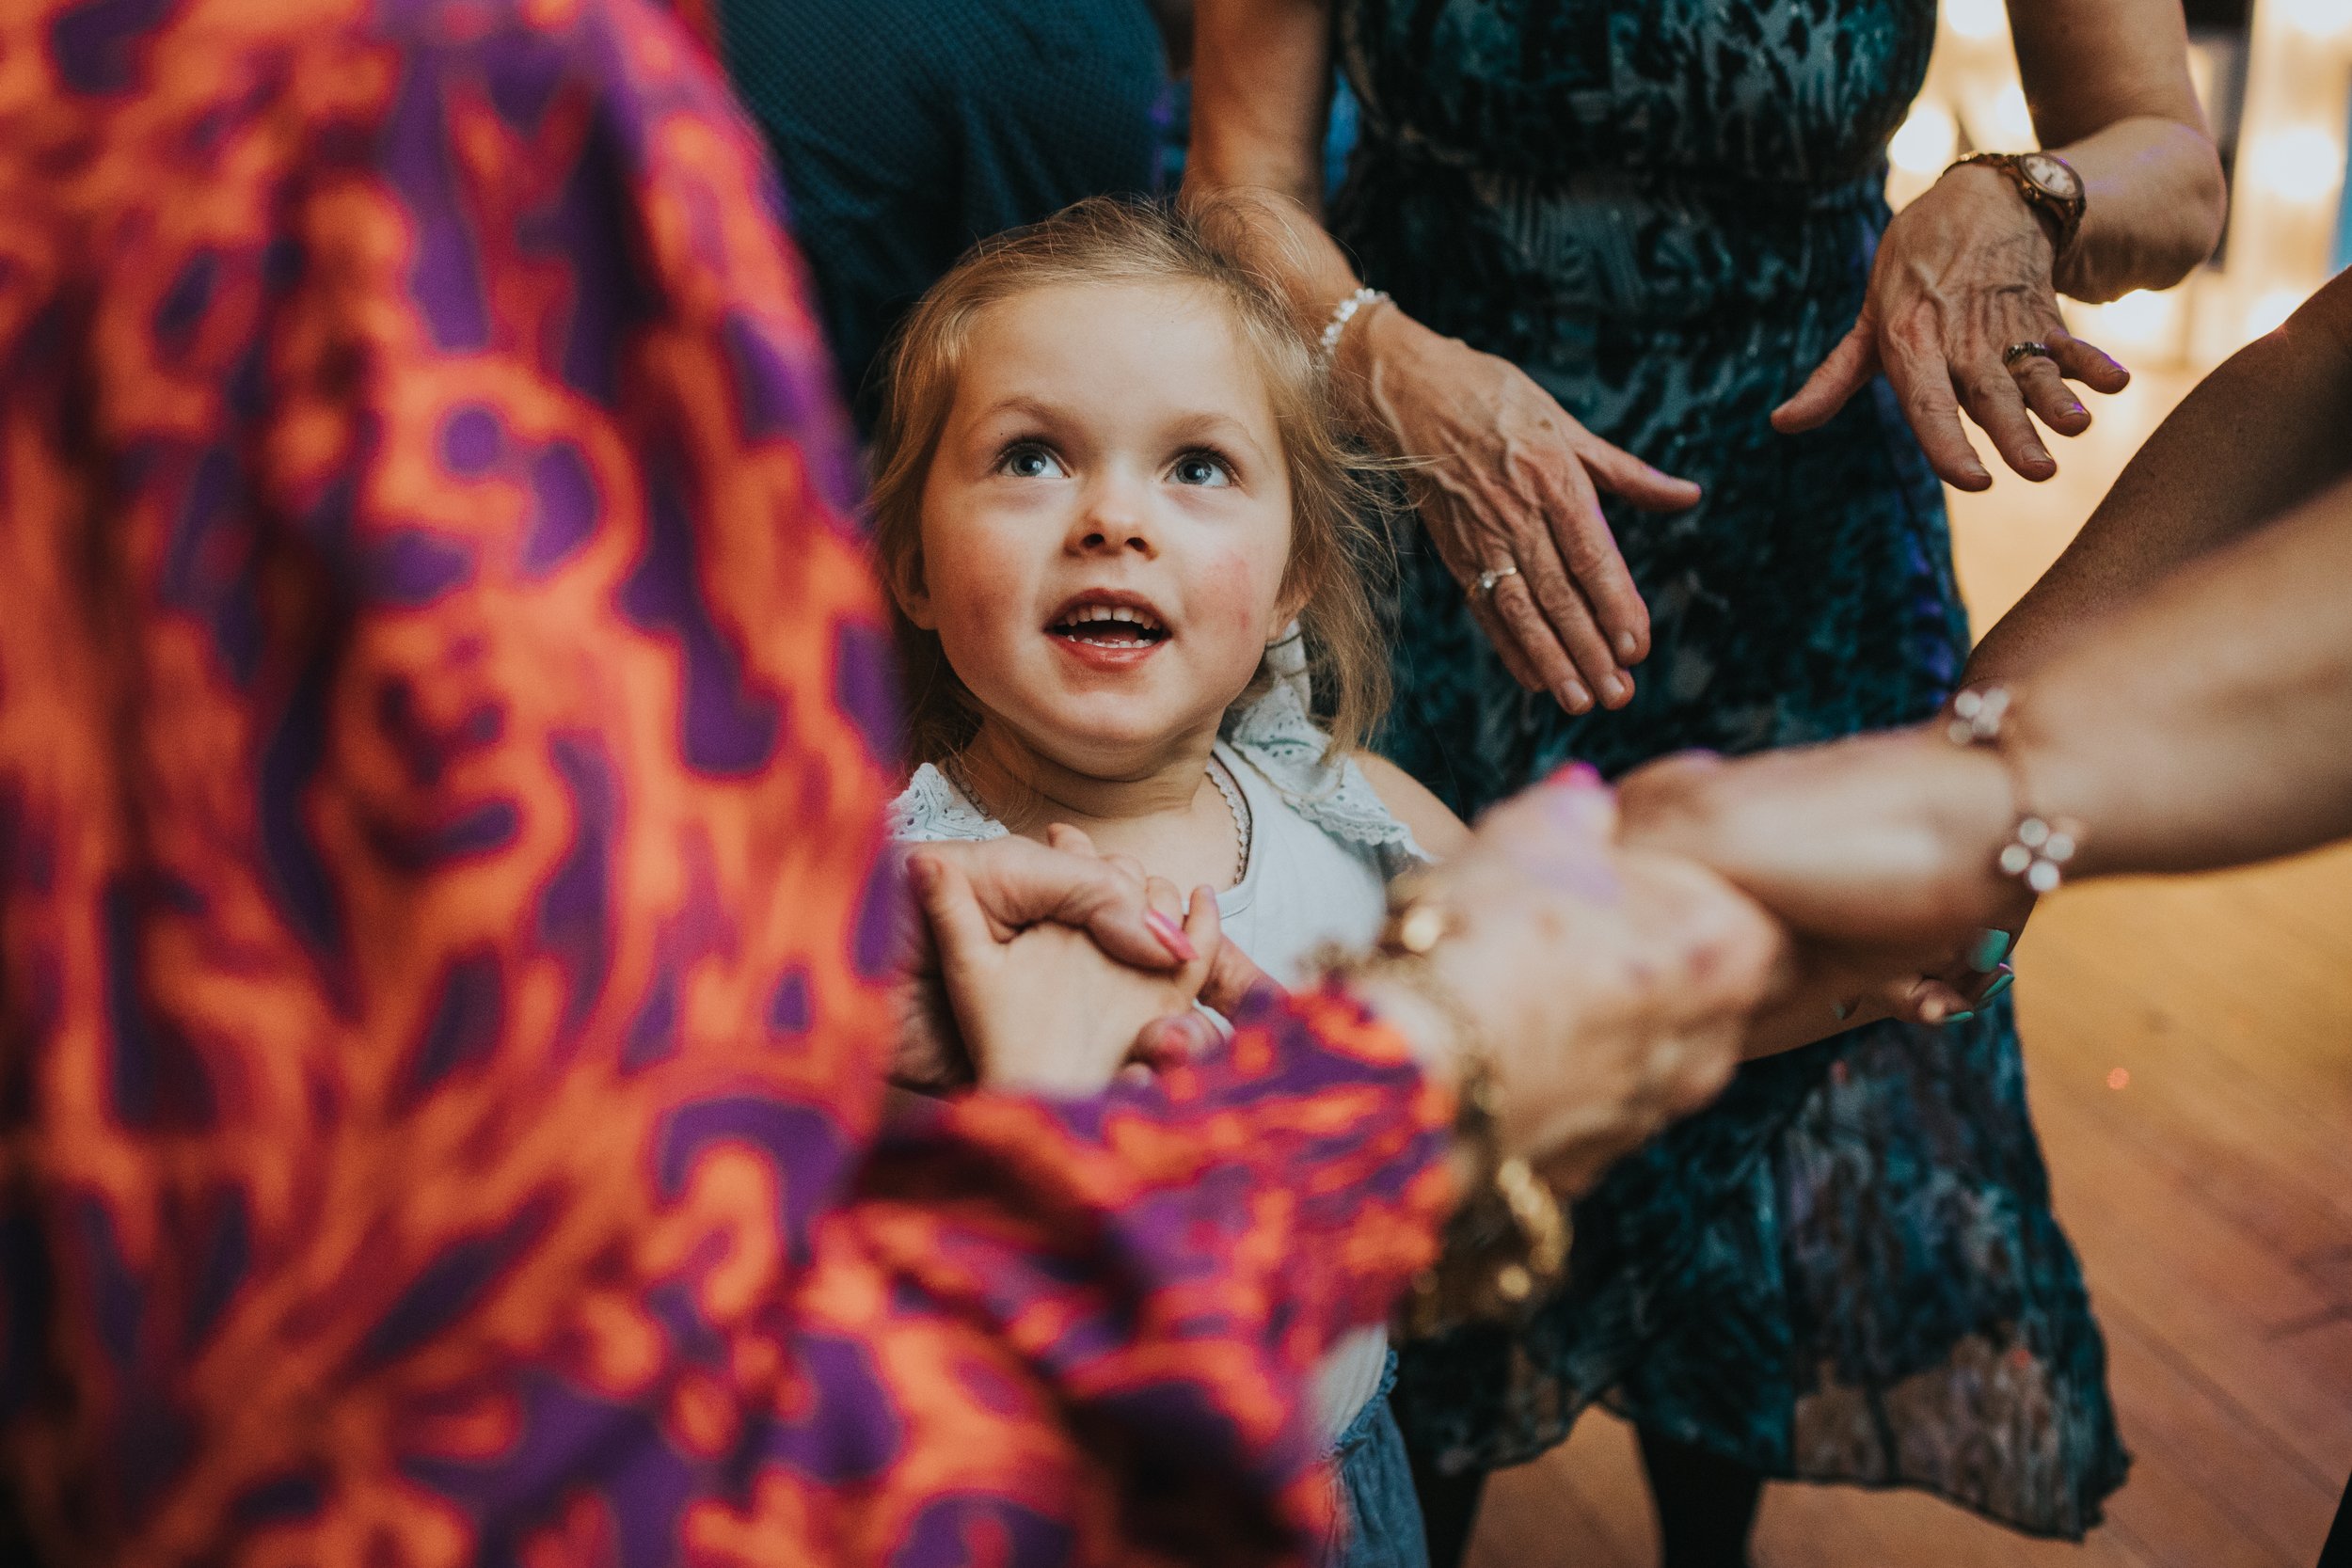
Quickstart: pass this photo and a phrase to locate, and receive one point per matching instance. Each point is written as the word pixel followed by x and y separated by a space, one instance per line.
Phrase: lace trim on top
pixel 931 809
pixel 1278 735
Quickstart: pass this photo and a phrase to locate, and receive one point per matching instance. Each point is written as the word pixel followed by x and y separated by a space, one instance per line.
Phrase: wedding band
pixel 1487 579
pixel 2029 349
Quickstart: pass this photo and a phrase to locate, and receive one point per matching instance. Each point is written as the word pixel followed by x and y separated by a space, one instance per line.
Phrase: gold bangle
pixel 1506 1247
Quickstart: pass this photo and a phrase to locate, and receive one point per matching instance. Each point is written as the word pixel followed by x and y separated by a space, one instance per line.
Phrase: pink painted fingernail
pixel 1171 937
pixel 1575 775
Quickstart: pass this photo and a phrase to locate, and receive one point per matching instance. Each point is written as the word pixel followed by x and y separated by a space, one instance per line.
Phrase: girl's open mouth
pixel 1119 627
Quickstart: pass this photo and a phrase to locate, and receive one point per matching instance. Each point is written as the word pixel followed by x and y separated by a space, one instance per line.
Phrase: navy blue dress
pixel 907 130
pixel 1664 211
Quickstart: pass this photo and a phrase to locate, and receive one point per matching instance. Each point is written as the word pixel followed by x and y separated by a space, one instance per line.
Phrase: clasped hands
pixel 1615 949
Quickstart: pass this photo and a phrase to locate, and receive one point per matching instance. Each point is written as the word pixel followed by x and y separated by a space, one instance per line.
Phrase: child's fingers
pixel 1162 895
pixel 1232 973
pixel 1062 835
pixel 1173 1040
pixel 1204 927
pixel 1164 910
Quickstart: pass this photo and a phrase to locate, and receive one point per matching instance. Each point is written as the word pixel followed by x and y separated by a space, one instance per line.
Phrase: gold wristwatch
pixel 2049 184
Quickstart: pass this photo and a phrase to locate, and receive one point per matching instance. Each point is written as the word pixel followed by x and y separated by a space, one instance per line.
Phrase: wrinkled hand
pixel 1040 1007
pixel 1613 985
pixel 1877 850
pixel 1509 479
pixel 1963 273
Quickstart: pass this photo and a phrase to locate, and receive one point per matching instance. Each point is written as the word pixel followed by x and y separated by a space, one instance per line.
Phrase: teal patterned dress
pixel 1665 211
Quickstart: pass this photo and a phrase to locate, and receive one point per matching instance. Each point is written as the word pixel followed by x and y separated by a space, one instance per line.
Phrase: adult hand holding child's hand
pixel 1055 964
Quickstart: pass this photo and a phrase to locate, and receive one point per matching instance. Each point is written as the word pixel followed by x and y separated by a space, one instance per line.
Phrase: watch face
pixel 2052 175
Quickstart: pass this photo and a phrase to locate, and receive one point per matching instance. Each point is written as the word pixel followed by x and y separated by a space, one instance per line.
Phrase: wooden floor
pixel 2189 1050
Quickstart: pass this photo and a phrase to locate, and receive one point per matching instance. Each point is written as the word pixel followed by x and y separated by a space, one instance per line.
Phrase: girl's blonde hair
pixel 1337 510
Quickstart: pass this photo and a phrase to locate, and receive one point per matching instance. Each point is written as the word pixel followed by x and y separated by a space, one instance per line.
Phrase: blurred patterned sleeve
pixel 445 718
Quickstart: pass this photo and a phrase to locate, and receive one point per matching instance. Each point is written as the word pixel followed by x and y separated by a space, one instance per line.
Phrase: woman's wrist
pixel 1506 1246
pixel 1995 205
pixel 1361 349
pixel 1970 818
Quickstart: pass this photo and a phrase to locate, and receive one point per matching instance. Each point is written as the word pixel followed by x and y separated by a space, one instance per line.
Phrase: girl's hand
pixel 1018 883
pixel 1040 1008
pixel 1508 479
pixel 1962 274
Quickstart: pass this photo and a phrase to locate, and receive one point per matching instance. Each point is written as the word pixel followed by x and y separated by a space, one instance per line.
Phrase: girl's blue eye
pixel 1029 462
pixel 1202 468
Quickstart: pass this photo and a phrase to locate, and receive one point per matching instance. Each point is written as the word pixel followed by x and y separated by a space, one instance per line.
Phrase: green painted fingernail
pixel 1992 947
pixel 2002 982
pixel 1961 1018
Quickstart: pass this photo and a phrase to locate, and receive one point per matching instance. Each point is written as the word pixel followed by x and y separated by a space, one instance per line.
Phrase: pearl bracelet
pixel 1345 312
pixel 2038 846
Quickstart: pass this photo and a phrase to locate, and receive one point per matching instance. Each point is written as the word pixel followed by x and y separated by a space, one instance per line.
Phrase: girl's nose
pixel 1117 517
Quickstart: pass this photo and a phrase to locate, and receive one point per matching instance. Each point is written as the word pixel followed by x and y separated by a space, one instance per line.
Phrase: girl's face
pixel 1106 521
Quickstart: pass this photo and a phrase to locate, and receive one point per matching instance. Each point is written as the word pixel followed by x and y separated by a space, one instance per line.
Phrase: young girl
pixel 1120 532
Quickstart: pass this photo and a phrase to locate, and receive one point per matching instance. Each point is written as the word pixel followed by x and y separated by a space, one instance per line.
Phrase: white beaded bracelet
pixel 2039 848
pixel 1345 312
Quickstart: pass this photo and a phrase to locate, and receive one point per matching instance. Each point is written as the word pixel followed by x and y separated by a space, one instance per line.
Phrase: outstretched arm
pixel 2263 433
pixel 1967 269
pixel 2202 725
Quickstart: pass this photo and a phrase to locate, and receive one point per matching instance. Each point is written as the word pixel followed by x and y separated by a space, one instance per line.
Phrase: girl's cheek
pixel 1236 591
pixel 1235 601
pixel 977 594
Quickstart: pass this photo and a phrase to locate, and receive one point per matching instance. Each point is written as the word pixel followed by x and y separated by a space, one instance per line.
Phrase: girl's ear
pixel 915 599
pixel 1288 607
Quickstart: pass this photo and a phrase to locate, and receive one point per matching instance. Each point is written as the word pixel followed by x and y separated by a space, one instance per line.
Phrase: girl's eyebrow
pixel 1024 405
pixel 1213 425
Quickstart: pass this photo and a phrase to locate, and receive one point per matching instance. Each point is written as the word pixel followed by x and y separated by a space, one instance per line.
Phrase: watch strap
pixel 2066 217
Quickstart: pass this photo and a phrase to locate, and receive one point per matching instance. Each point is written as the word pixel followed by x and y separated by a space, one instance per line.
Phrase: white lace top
pixel 1323 848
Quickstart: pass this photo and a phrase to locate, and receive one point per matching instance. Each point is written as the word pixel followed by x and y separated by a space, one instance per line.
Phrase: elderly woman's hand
pixel 1962 275
pixel 1612 986
pixel 1507 480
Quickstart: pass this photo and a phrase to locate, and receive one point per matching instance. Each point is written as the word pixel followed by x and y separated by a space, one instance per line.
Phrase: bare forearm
pixel 1261 97
pixel 2262 433
pixel 2107 81
pixel 2209 723
pixel 2153 207
pixel 1810 1014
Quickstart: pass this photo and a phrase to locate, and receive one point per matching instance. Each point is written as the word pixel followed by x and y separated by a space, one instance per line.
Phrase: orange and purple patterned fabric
pixel 444 726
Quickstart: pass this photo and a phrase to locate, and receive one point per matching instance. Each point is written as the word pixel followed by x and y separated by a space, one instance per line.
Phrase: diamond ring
pixel 1486 579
